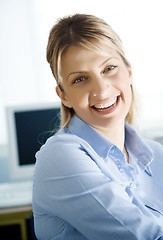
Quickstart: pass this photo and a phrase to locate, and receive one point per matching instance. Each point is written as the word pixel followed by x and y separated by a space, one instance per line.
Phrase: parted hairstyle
pixel 85 31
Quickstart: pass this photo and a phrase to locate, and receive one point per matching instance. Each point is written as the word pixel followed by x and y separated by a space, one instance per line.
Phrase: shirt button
pixel 132 185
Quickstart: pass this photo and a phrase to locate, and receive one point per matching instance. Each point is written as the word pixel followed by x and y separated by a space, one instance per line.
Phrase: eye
pixel 109 68
pixel 79 79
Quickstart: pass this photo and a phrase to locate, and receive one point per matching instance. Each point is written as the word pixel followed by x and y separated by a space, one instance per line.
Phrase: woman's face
pixel 96 86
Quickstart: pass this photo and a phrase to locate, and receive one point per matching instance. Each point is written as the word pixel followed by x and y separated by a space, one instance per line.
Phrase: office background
pixel 25 76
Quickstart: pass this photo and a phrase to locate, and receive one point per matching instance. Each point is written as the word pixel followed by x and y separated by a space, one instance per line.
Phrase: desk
pixel 17 221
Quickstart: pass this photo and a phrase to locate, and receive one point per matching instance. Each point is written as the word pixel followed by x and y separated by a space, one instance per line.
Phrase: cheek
pixel 124 86
pixel 127 92
pixel 128 96
pixel 77 98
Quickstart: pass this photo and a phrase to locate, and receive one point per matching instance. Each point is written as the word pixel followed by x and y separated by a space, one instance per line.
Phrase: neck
pixel 115 134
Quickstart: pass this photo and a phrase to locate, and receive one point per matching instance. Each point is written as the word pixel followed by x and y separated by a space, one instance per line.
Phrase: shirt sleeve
pixel 71 186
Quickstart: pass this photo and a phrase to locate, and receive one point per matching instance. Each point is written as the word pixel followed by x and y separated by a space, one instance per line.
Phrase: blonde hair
pixel 81 30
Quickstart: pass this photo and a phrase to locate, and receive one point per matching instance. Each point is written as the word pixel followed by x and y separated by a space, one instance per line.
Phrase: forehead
pixel 78 56
pixel 93 49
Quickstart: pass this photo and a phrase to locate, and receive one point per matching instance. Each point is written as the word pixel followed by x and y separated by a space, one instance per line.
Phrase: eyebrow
pixel 81 72
pixel 105 61
pixel 77 72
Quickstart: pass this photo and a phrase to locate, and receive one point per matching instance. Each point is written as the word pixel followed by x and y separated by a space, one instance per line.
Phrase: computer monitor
pixel 29 126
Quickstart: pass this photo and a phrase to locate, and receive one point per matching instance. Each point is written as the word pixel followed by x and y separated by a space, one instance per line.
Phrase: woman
pixel 96 178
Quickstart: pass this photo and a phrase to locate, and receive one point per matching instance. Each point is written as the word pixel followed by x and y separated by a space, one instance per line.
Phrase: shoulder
pixel 64 155
pixel 61 141
pixel 62 149
pixel 58 144
pixel 156 147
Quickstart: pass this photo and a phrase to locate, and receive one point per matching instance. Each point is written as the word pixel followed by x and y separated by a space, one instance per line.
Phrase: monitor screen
pixel 28 129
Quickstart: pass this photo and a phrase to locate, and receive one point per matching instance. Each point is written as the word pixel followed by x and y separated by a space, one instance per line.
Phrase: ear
pixel 63 97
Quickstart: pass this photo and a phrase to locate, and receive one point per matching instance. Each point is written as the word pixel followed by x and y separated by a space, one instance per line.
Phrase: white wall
pixel 25 75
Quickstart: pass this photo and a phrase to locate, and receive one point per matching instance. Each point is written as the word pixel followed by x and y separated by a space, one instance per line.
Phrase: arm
pixel 78 192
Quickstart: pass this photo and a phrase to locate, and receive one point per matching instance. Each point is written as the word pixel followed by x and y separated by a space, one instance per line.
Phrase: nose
pixel 100 88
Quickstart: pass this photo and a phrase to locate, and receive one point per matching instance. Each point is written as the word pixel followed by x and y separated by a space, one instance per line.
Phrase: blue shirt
pixel 85 189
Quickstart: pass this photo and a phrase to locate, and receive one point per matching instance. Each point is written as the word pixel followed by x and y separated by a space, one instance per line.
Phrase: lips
pixel 106 105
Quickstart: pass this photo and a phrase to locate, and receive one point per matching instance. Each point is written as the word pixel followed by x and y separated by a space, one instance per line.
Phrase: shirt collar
pixel 102 146
pixel 139 148
pixel 99 143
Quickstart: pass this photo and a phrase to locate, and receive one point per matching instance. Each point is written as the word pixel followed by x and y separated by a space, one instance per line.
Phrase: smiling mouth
pixel 106 106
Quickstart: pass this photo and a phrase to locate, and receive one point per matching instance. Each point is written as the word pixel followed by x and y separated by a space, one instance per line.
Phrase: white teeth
pixel 101 106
